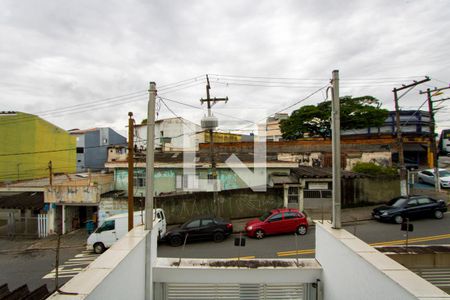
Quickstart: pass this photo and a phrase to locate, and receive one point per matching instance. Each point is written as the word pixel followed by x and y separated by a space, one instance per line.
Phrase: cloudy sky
pixel 81 64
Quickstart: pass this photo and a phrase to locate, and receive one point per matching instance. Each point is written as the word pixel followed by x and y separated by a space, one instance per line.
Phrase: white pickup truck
pixel 115 227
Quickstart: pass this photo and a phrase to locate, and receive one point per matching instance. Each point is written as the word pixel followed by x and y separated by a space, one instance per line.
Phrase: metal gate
pixel 16 225
pixel 189 291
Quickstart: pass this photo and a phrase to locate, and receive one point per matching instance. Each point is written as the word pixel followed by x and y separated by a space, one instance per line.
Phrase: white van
pixel 115 227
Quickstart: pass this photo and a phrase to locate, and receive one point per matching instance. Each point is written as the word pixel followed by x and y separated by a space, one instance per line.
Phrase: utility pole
pixel 209 123
pixel 401 158
pixel 434 159
pixel 149 189
pixel 130 171
pixel 50 173
pixel 336 150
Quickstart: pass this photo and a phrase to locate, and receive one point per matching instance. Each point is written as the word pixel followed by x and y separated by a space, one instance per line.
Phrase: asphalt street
pixel 426 231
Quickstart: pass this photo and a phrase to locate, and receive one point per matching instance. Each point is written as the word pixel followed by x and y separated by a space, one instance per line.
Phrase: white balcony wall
pixel 354 270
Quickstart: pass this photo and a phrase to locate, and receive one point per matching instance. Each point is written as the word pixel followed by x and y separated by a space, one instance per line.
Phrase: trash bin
pixel 90 226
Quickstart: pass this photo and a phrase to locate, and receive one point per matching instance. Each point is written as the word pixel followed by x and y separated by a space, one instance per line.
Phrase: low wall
pixel 119 273
pixel 242 203
pixel 378 189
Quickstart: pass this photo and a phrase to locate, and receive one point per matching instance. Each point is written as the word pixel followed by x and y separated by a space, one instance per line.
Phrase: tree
pixel 315 120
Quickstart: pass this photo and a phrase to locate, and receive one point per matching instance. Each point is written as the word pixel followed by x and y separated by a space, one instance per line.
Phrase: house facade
pixel 92 147
pixel 29 143
pixel 179 134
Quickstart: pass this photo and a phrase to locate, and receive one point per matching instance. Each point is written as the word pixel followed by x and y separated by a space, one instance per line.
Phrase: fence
pixel 29 226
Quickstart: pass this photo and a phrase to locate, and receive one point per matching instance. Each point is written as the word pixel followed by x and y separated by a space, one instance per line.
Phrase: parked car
pixel 115 227
pixel 204 228
pixel 412 207
pixel 428 176
pixel 277 221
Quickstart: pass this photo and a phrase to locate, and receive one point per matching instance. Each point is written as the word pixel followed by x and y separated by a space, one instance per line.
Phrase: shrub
pixel 373 169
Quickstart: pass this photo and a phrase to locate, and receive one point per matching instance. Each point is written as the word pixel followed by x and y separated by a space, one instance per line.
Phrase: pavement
pixel 74 239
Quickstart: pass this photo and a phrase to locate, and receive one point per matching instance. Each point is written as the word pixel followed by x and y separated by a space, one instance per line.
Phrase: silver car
pixel 428 176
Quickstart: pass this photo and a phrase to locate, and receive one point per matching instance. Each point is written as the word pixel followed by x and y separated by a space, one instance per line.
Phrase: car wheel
pixel 398 219
pixel 176 241
pixel 438 214
pixel 99 248
pixel 218 237
pixel 301 230
pixel 259 234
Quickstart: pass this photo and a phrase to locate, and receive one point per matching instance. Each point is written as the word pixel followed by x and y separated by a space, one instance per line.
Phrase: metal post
pixel 336 150
pixel 130 171
pixel 150 154
pixel 149 188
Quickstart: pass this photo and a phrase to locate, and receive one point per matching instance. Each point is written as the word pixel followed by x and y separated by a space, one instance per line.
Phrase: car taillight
pixel 229 226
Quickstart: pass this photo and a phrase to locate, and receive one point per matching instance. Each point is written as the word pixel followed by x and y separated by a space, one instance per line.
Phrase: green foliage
pixel 373 169
pixel 315 120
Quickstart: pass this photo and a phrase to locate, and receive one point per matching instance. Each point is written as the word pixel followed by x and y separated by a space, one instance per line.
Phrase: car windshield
pixel 444 173
pixel 264 216
pixel 397 202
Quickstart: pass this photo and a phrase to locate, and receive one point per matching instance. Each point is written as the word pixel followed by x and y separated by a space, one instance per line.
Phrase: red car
pixel 277 221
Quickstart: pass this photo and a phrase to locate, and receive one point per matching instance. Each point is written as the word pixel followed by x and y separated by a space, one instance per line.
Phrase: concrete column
pixel 51 215
pixel 63 217
pixel 301 198
pixel 285 195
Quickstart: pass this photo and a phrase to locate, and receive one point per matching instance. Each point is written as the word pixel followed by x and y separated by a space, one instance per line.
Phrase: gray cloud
pixel 57 54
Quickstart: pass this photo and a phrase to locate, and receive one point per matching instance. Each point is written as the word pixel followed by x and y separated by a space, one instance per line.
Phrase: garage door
pixel 175 291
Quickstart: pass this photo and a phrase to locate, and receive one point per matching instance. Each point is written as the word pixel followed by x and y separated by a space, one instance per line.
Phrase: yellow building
pixel 27 145
pixel 221 137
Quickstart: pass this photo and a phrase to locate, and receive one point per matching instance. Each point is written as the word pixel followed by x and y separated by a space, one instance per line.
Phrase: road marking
pixel 388 243
pixel 242 257
pixel 73 266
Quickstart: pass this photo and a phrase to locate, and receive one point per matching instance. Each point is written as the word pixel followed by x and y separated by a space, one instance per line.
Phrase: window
pixel 424 201
pixel 291 215
pixel 106 226
pixel 207 222
pixel 187 181
pixel 193 224
pixel 80 150
pixel 139 180
pixel 293 194
pixel 412 202
pixel 427 173
pixel 275 218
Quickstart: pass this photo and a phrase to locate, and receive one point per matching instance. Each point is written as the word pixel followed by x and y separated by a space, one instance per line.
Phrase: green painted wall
pixel 39 141
pixel 165 179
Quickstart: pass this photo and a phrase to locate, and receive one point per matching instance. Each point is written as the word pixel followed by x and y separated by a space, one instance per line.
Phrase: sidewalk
pixel 74 239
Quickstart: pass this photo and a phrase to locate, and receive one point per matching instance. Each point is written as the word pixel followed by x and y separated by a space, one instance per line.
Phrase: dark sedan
pixel 204 228
pixel 413 207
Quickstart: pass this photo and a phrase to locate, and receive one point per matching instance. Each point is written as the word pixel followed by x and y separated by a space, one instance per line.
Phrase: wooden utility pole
pixel 434 159
pixel 210 102
pixel 130 171
pixel 50 172
pixel 401 158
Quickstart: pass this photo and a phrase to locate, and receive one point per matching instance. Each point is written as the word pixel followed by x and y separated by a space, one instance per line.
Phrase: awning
pixel 27 200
